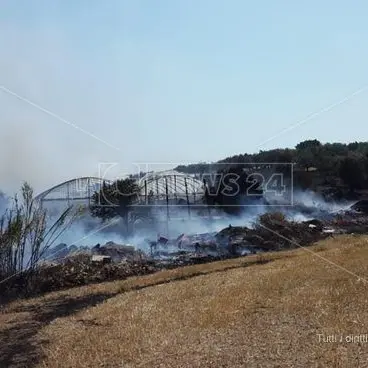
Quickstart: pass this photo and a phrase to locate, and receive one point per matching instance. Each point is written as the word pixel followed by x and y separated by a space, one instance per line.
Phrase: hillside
pixel 269 310
pixel 329 168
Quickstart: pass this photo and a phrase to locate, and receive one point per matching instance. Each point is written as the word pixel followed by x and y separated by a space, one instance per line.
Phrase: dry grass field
pixel 285 309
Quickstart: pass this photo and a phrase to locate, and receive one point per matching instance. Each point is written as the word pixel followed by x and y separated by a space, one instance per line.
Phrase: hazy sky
pixel 173 81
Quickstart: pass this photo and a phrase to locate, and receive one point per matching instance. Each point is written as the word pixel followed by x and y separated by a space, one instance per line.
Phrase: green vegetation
pixel 114 199
pixel 343 167
pixel 337 165
pixel 25 236
pixel 333 162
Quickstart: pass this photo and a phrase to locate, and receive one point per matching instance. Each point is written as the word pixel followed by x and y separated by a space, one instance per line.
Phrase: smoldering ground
pixel 88 231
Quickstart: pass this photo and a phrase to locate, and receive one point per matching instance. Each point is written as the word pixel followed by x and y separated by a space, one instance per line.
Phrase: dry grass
pixel 257 311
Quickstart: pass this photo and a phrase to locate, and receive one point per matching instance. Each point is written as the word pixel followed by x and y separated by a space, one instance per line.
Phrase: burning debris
pixel 65 266
pixel 272 232
pixel 110 252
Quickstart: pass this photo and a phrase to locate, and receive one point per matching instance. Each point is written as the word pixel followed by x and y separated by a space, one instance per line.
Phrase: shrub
pixel 25 236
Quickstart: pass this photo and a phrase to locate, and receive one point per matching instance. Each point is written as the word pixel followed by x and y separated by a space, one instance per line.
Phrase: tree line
pixel 332 164
pixel 347 163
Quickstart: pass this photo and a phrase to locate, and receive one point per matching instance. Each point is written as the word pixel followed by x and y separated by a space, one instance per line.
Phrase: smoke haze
pixel 90 231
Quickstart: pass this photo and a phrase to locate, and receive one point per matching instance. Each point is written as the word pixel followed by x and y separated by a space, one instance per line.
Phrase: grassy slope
pixel 255 311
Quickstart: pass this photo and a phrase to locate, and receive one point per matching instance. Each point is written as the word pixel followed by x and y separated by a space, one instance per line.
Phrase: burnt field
pixel 270 309
pixel 68 266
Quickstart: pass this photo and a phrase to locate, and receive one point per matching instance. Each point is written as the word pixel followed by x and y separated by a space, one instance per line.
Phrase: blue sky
pixel 174 81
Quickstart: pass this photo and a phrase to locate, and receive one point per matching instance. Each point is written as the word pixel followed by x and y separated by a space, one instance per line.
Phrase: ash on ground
pixel 66 266
pixel 272 232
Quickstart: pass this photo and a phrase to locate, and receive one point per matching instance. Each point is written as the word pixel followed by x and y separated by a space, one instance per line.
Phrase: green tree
pixel 306 158
pixel 337 149
pixel 308 153
pixel 352 172
pixel 114 199
pixel 310 143
pixel 353 146
pixel 233 189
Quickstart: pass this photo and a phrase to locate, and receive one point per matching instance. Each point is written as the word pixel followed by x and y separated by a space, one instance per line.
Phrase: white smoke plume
pixel 85 232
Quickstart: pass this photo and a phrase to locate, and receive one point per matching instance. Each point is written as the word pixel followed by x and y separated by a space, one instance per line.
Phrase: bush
pixel 25 236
